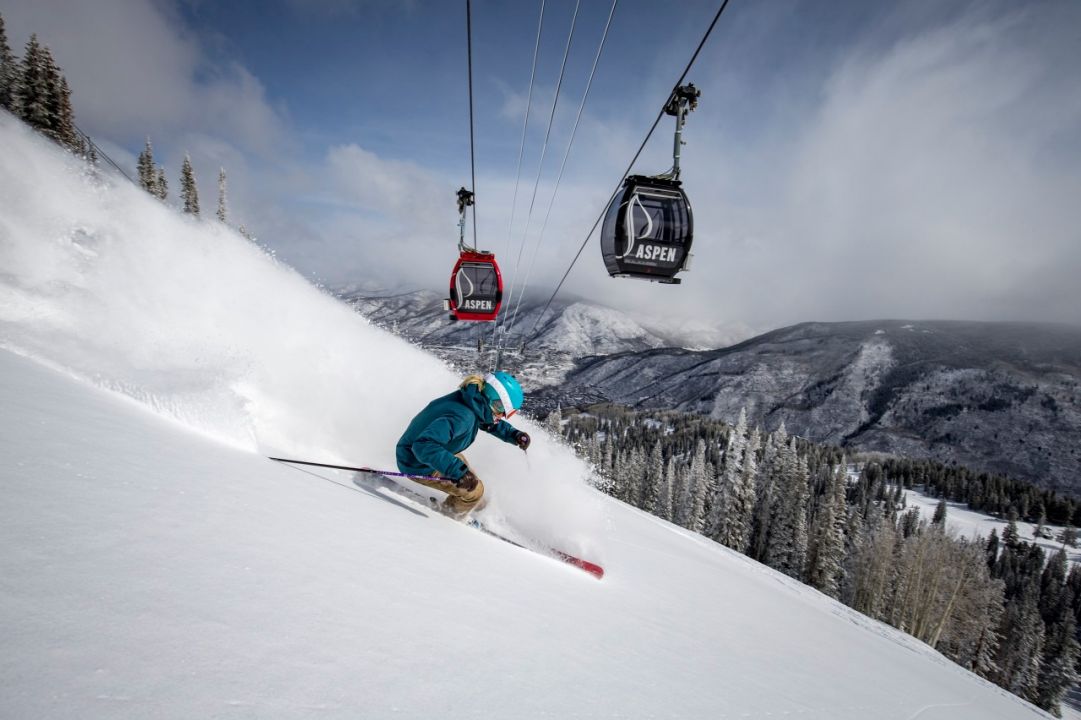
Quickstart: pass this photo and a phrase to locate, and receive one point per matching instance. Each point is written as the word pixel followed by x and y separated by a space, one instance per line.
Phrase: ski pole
pixel 370 471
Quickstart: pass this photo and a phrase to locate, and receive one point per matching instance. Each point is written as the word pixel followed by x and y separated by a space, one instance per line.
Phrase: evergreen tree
pixel 1010 536
pixel 787 547
pixel 700 484
pixel 765 493
pixel 910 522
pixel 992 549
pixel 636 476
pixel 1041 527
pixel 9 72
pixel 683 498
pixel 1021 650
pixel 221 195
pixel 32 89
pixel 148 179
pixel 188 192
pixel 735 516
pixel 62 129
pixel 1053 590
pixel 1057 667
pixel 608 454
pixel 745 505
pixel 668 489
pixel 826 553
pixel 654 479
pixel 161 187
pixel 721 512
pixel 940 513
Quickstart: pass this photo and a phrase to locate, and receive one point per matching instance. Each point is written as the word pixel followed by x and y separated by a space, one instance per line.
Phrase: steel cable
pixel 682 77
pixel 562 166
pixel 544 149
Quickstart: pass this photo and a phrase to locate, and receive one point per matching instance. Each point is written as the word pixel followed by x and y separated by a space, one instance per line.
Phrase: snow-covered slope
pixel 146 571
pixel 154 564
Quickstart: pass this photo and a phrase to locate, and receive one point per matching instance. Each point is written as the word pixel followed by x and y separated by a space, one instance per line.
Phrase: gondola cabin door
pixel 476 287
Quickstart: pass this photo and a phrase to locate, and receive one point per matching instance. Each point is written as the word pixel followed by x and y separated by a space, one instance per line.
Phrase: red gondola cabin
pixel 476 287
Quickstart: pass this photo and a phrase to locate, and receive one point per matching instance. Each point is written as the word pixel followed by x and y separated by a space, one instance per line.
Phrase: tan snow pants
pixel 459 502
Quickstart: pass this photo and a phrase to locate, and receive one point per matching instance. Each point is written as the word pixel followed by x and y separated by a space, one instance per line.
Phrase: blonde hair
pixel 477 380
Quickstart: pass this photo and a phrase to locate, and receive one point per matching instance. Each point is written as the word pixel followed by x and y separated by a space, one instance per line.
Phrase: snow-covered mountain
pixel 154 563
pixel 1002 397
pixel 570 329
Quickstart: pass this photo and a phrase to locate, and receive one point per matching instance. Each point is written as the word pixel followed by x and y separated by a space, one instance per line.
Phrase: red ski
pixel 592 568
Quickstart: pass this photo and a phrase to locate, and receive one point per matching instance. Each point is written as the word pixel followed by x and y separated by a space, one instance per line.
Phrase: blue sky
pixel 848 160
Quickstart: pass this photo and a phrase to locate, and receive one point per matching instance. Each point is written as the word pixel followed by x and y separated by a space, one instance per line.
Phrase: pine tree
pixel 940 513
pixel 719 521
pixel 1057 667
pixel 32 90
pixel 221 195
pixel 636 477
pixel 62 129
pixel 161 187
pixel 735 516
pixel 9 72
pixel 1061 649
pixel 1053 588
pixel 992 548
pixel 1041 527
pixel 608 455
pixel 765 493
pixel 745 505
pixel 654 482
pixel 826 553
pixel 664 507
pixel 1010 536
pixel 1021 650
pixel 700 484
pixel 145 165
pixel 188 192
pixel 787 547
pixel 683 497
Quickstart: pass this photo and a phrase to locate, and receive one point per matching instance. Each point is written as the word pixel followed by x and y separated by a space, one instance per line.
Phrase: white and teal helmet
pixel 501 387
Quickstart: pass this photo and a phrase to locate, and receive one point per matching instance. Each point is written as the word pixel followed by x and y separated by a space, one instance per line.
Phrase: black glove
pixel 467 482
pixel 521 439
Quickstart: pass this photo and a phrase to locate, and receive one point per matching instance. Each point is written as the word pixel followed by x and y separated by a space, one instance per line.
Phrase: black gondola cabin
pixel 647 230
pixel 476 287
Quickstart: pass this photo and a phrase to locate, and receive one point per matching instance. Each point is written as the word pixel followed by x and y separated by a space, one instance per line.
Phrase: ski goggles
pixel 498 409
pixel 500 404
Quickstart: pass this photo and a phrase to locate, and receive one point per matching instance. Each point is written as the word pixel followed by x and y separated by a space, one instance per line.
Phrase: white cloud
pixel 937 177
pixel 135 70
pixel 933 174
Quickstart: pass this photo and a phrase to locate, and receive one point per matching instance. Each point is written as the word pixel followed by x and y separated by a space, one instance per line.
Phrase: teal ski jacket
pixel 448 425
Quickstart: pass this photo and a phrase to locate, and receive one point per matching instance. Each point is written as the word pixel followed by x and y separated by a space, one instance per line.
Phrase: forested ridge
pixel 998 606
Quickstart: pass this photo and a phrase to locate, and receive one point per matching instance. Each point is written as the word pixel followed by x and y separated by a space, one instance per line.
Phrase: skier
pixel 433 442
